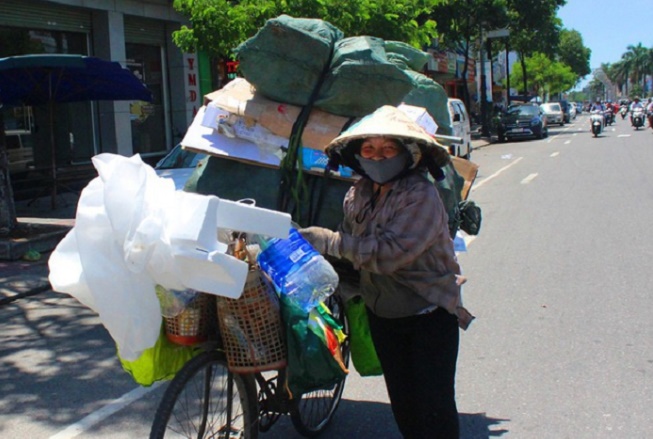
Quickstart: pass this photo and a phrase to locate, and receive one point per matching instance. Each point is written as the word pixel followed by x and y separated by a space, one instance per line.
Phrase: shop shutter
pixel 143 31
pixel 45 16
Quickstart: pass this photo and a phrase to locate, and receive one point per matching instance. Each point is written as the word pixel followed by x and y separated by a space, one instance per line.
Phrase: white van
pixel 461 128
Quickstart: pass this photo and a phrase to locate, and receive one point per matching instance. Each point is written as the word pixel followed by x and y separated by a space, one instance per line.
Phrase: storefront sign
pixel 191 77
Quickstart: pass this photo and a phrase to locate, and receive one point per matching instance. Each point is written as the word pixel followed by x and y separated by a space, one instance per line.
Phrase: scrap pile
pixel 304 83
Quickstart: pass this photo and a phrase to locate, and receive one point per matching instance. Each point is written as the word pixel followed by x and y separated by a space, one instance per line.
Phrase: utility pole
pixel 485 126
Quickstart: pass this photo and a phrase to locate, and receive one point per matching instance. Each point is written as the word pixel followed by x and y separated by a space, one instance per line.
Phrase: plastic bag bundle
pixel 314 358
pixel 363 353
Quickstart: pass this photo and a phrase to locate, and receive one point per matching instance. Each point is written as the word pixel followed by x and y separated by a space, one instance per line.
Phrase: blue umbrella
pixel 44 79
pixel 55 78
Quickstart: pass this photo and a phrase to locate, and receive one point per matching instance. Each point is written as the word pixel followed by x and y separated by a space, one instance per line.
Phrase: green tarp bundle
pixel 286 59
pixel 290 57
pixel 361 79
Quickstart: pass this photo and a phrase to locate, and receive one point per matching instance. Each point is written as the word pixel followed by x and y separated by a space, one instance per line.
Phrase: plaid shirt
pixel 401 246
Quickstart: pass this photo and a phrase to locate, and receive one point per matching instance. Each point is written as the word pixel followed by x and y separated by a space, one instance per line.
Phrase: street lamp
pixel 496 33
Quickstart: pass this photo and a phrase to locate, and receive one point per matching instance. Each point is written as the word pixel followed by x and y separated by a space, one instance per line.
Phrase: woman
pixel 395 232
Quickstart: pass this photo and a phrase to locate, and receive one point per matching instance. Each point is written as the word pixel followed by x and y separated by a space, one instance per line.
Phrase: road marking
pixel 575 134
pixel 554 154
pixel 485 180
pixel 99 415
pixel 529 178
pixel 623 135
pixel 567 142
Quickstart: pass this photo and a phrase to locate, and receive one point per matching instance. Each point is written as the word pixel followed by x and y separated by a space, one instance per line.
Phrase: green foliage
pixel 544 75
pixel 572 52
pixel 218 26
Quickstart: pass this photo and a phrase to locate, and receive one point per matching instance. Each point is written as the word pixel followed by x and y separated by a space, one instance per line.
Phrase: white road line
pixel 554 154
pixel 575 134
pixel 623 135
pixel 567 142
pixel 99 415
pixel 486 179
pixel 529 178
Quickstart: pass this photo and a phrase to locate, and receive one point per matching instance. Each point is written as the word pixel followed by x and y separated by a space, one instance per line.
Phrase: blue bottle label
pixel 297 255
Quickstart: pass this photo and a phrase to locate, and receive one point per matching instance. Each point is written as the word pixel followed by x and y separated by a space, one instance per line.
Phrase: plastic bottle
pixel 298 270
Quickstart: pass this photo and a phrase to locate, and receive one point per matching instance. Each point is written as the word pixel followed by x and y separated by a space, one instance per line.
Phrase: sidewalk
pixel 22 278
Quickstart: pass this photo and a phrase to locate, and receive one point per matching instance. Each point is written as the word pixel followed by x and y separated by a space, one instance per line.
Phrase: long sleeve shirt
pixel 402 247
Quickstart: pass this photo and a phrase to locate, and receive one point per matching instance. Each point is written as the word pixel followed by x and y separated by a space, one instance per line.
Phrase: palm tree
pixel 636 60
pixel 618 74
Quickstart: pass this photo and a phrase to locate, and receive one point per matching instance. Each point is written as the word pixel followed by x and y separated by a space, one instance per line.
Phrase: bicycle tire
pixel 196 402
pixel 313 411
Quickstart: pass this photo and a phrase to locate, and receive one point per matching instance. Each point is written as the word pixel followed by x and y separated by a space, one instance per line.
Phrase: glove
pixel 324 241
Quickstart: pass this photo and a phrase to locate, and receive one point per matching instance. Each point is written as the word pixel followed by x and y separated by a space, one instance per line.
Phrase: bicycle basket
pixel 251 327
pixel 192 325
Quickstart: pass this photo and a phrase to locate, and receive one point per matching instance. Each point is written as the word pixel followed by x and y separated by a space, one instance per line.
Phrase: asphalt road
pixel 559 282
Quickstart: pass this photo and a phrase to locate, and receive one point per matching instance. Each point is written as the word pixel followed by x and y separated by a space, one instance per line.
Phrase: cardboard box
pixel 467 170
pixel 239 97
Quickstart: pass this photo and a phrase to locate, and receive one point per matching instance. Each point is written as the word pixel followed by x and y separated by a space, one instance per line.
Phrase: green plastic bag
pixel 313 339
pixel 158 363
pixel 363 353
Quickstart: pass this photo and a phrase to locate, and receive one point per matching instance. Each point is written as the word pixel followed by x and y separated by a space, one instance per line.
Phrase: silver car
pixel 553 113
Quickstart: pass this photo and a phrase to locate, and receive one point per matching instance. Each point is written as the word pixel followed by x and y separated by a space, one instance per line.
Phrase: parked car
pixel 522 121
pixel 553 113
pixel 178 165
pixel 572 111
pixel 461 128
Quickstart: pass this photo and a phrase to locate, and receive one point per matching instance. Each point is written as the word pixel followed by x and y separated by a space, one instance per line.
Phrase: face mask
pixel 382 171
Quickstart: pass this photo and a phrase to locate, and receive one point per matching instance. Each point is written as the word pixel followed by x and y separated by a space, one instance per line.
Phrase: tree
pixel 617 73
pixel 534 28
pixel 547 76
pixel 636 59
pixel 572 52
pixel 218 26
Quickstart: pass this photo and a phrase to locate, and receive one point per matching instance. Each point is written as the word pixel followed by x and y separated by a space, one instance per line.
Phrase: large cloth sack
pixel 361 79
pixel 287 57
pixel 427 93
pixel 415 59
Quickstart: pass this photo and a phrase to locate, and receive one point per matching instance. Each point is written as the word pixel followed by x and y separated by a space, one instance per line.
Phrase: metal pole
pixel 507 74
pixel 485 128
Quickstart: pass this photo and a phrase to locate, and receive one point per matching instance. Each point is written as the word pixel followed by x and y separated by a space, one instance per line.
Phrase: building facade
pixel 135 33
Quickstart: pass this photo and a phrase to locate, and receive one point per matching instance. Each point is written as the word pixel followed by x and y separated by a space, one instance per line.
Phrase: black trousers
pixel 418 355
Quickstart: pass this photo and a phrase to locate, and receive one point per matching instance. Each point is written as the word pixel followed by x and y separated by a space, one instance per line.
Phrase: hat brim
pixel 388 121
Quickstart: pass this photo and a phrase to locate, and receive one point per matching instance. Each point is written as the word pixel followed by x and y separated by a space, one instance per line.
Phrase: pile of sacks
pixel 292 63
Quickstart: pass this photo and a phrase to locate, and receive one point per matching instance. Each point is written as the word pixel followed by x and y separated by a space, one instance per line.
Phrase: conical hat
pixel 388 121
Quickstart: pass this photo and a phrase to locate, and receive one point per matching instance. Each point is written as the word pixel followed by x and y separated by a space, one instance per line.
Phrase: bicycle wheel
pixel 313 411
pixel 205 400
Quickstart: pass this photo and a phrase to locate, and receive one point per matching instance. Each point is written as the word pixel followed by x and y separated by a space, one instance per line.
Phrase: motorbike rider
pixel 597 106
pixel 635 105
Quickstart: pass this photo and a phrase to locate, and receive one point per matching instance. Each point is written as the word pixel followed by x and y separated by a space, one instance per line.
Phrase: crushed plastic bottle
pixel 298 270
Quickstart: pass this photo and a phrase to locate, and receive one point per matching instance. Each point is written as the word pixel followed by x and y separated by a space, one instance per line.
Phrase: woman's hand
pixel 325 241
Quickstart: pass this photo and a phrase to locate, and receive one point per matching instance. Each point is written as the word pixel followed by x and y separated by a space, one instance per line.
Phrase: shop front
pixel 84 129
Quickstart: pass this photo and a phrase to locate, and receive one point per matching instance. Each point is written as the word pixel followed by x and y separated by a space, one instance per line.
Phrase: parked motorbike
pixel 623 111
pixel 638 118
pixel 596 122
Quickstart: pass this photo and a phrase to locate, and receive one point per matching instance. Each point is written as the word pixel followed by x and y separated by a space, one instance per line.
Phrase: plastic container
pixel 298 271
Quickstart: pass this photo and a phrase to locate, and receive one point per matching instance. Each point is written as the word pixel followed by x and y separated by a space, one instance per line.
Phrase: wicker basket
pixel 251 327
pixel 192 325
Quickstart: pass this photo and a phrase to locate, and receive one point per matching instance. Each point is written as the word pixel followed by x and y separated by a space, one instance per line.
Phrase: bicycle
pixel 206 400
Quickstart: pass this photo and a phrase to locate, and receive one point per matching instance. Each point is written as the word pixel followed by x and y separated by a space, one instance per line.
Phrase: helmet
pixel 598 100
